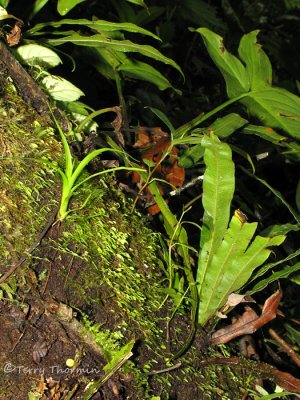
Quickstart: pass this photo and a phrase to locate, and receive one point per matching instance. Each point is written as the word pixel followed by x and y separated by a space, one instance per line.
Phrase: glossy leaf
pixel 64 6
pixel 218 189
pixel 97 25
pixel 233 71
pixel 191 157
pixel 257 62
pixel 139 70
pixel 221 127
pixel 34 54
pixel 121 46
pixel 61 89
pixel 283 229
pixel 232 264
pixel 276 108
pixel 264 132
pixel 227 125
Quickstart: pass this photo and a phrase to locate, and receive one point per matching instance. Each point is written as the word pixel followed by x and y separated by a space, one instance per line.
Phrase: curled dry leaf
pixel 234 299
pixel 117 125
pixel 14 36
pixel 249 321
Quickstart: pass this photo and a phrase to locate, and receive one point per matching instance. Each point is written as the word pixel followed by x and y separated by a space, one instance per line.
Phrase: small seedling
pixel 71 172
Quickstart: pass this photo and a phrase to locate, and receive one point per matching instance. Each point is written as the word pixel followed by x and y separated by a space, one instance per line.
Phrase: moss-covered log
pixel 74 292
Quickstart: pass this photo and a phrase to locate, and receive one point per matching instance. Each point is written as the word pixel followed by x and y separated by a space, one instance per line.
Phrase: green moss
pixel 119 255
pixel 27 191
pixel 116 253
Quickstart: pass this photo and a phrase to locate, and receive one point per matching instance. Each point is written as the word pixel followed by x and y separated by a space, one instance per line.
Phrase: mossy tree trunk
pixel 83 288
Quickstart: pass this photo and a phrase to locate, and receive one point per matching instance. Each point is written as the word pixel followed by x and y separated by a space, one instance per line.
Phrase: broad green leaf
pixel 276 108
pixel 225 126
pixel 64 6
pixel 233 71
pixel 218 189
pixel 256 254
pixel 257 62
pixel 121 46
pixel 34 54
pixel 211 293
pixel 97 25
pixel 139 70
pixel 232 264
pixel 264 132
pixel 61 89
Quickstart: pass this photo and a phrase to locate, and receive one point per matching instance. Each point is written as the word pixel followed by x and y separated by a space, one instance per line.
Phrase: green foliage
pixel 275 107
pixel 70 175
pixel 257 119
pixel 227 259
pixel 107 47
pixel 64 6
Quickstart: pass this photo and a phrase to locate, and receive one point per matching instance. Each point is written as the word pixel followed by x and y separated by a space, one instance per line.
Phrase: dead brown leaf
pixel 286 381
pixel 234 299
pixel 249 321
pixel 117 125
pixel 14 36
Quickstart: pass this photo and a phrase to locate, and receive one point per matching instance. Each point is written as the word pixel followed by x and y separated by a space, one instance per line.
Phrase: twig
pixel 286 347
pixel 161 371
